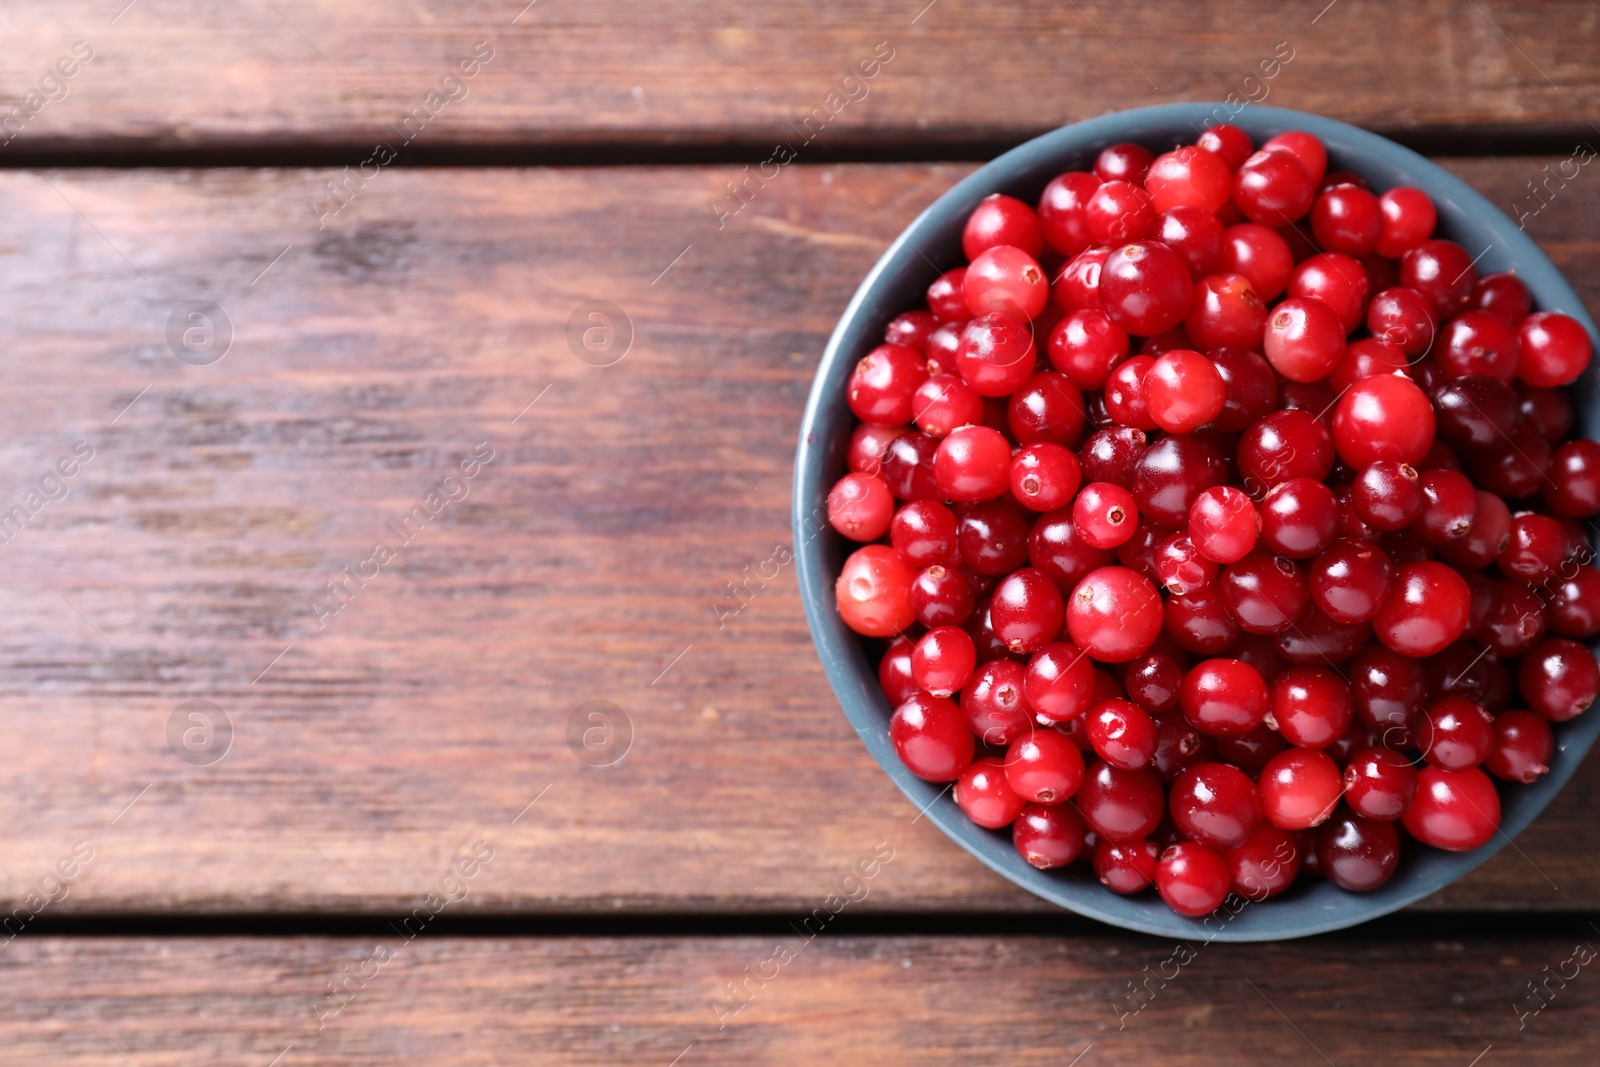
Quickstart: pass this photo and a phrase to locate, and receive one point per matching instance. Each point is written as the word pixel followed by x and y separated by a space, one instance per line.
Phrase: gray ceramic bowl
pixel 897 282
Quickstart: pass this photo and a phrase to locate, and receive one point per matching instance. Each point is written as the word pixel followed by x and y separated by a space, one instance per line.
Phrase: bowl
pixel 898 281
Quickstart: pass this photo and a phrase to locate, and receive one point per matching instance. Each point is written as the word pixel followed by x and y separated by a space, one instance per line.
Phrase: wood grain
pixel 903 1000
pixel 368 359
pixel 185 76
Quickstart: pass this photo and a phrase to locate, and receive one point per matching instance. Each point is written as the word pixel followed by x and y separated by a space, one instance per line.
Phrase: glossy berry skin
pixel 1555 349
pixel 1215 804
pixel 1171 474
pixel 1086 346
pixel 1362 359
pixel 1027 610
pixel 1125 397
pixel 1122 734
pixel 894 673
pixel 1223 524
pixel 1304 339
pixel 1192 879
pixel 1408 220
pixel 1311 706
pixel 993 705
pixel 874 592
pixel 1479 342
pixel 1357 854
pixel 1349 581
pixel 1188 177
pixel 1299 518
pixel 931 738
pixel 1307 148
pixel 1337 281
pixel 1424 611
pixel 1403 317
pixel 1273 189
pixel 1119 211
pixel 1264 593
pixel 1002 220
pixel 1046 408
pixel 1574 608
pixel 1061 211
pixel 1456 733
pixel 1504 294
pixel 1225 312
pixel 1442 272
pixel 1044 476
pixel 1104 515
pixel 1077 286
pixel 973 464
pixel 1049 836
pixel 1299 788
pixel 983 793
pixel 1535 547
pixel 1183 391
pixel 1044 767
pixel 942 596
pixel 884 383
pixel 1059 682
pixel 1558 679
pixel 943 660
pixel 1347 219
pixel 1379 783
pixel 1476 413
pixel 1265 865
pixel 1120 805
pixel 944 402
pixel 1145 288
pixel 1193 233
pixel 1114 614
pixel 1005 279
pixel 1523 745
pixel 1260 254
pixel 860 507
pixel 996 354
pixel 1385 417
pixel 1457 811
pixel 1125 866
pixel 1573 488
pixel 1224 698
pixel 1250 388
pixel 1180 567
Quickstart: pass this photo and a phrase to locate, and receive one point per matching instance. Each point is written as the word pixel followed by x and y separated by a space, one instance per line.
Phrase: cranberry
pixel 1457 811
pixel 1125 397
pixel 1311 706
pixel 1049 837
pixel 1122 734
pixel 996 354
pixel 1154 679
pixel 1476 412
pixel 1260 254
pixel 1119 211
pixel 1056 548
pixel 1044 768
pixel 1002 220
pixel 1230 143
pixel 1112 455
pixel 1104 515
pixel 1363 358
pixel 1193 233
pixel 1183 391
pixel 860 507
pixel 1181 568
pixel 1424 611
pixel 1449 504
pixel 874 592
pixel 1005 279
pixel 1199 623
pixel 1314 638
pixel 931 738
pixel 1442 272
pixel 868 444
pixel 1059 682
pixel 1061 211
pixel 983 793
pixel 1337 281
pixel 1114 614
pixel 943 660
pixel 1265 865
pixel 1388 495
pixel 1188 177
pixel 942 596
pixel 1555 349
pixel 1123 161
pixel 1479 343
pixel 1403 317
pixel 1299 518
pixel 1086 346
pixel 1250 387
pixel 1572 486
pixel 1303 339
pixel 1171 474
pixel 1535 548
pixel 1192 879
pixel 993 537
pixel 1299 788
pixel 1273 188
pixel 1120 805
pixel 1517 470
pixel 1347 219
pixel 1349 580
pixel 1125 866
pixel 1224 698
pixel 1223 524
pixel 945 299
pixel 1379 784
pixel 1559 679
pixel 1077 287
pixel 1357 854
pixel 1523 745
pixel 1455 734
pixel 1044 476
pixel 1408 220
pixel 1504 294
pixel 1574 609
pixel 1383 417
pixel 944 402
pixel 1284 445
pixel 1026 611
pixel 1215 804
pixel 894 672
pixel 973 464
pixel 1145 288
pixel 911 329
pixel 884 383
pixel 1263 592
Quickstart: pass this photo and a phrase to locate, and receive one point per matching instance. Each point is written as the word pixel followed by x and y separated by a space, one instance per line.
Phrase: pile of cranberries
pixel 1222 525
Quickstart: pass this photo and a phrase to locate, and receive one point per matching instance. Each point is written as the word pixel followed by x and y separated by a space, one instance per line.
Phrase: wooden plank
pixel 893 1000
pixel 185 76
pixel 368 359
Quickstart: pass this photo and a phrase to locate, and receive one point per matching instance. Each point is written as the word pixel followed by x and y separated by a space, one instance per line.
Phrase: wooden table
pixel 393 833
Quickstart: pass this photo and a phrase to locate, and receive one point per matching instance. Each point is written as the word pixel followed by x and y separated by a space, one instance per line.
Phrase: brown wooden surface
pixel 587 556
pixel 187 75
pixel 1436 1002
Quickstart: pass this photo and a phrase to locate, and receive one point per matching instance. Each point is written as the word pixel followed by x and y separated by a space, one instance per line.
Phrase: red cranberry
pixel 944 402
pixel 1122 734
pixel 1408 220
pixel 931 738
pixel 996 354
pixel 1365 357
pixel 1123 161
pixel 1230 143
pixel 1357 854
pixel 1260 254
pixel 1383 417
pixel 1171 474
pixel 1476 413
pixel 1145 288
pixel 1120 805
pixel 1284 445
pixel 1273 188
pixel 983 793
pixel 1112 455
pixel 1183 391
pixel 1523 745
pixel 1104 514
pixel 1087 346
pixel 1388 495
pixel 1311 706
pixel 1061 211
pixel 1456 733
pixel 1044 767
pixel 992 703
pixel 1224 698
pixel 1536 547
pixel 1215 805
pixel 1574 609
pixel 1347 219
pixel 1424 611
pixel 1457 811
pixel 1181 568
pixel 1200 623
pixel 1059 682
pixel 884 383
pixel 942 596
pixel 1299 788
pixel 1517 470
pixel 1193 233
pixel 1114 614
pixel 1049 837
pixel 1403 317
pixel 1504 294
pixel 1572 486
pixel 1055 547
pixel 1349 581
pixel 973 464
pixel 1223 524
pixel 1265 865
pixel 1077 286
pixel 945 299
pixel 894 672
pixel 1379 784
pixel 1559 679
pixel 1044 476
pixel 1263 592
pixel 1479 343
pixel 1555 349
pixel 1192 879
pixel 992 537
pixel 1250 387
pixel 1299 518
pixel 1303 339
pixel 1119 211
pixel 1337 281
pixel 1026 611
pixel 860 507
pixel 1007 280
pixel 874 592
pixel 1125 866
pixel 1442 272
pixel 1002 220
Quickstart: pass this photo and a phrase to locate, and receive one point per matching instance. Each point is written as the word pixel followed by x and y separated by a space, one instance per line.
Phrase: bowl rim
pixel 1462 210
